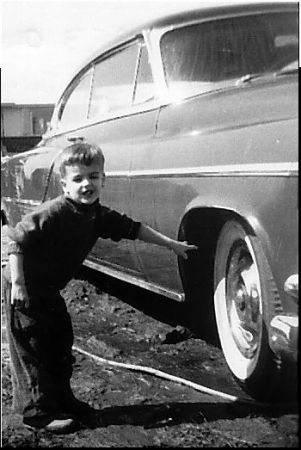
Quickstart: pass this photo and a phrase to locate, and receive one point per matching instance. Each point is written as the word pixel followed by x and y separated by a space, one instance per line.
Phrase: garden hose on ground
pixel 167 376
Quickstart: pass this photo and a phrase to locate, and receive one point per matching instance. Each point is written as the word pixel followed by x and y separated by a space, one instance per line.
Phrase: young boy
pixel 47 248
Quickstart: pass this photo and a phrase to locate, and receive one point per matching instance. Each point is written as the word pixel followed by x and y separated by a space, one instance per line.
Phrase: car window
pixel 202 57
pixel 74 108
pixel 144 84
pixel 113 82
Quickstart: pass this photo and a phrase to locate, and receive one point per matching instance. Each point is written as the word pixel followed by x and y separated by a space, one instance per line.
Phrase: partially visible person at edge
pixel 46 249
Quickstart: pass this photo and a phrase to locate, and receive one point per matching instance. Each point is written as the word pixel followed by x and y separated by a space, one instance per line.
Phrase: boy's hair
pixel 80 153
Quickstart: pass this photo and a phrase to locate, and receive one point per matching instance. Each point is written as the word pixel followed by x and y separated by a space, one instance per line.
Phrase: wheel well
pixel 202 226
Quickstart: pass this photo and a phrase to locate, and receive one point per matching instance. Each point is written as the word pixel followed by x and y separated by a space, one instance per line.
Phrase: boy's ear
pixel 103 181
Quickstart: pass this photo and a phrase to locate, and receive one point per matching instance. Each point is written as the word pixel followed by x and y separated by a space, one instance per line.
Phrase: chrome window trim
pixel 131 111
pixel 69 90
pixel 280 169
pixel 139 39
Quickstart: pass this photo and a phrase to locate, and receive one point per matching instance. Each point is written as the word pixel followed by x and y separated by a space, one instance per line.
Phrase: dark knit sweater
pixel 56 238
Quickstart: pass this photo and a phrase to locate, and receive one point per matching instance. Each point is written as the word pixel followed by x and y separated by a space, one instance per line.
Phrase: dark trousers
pixel 40 339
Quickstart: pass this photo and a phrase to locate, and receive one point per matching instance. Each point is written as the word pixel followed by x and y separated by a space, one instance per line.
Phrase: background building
pixel 22 125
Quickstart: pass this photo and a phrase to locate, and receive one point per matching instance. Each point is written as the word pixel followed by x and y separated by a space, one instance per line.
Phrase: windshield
pixel 212 55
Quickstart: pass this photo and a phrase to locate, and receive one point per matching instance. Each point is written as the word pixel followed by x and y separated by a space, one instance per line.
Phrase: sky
pixel 43 42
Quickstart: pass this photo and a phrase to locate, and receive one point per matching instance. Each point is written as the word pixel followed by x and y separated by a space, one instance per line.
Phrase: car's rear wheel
pixel 244 297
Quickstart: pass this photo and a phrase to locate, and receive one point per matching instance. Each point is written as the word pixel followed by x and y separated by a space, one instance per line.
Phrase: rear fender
pixel 201 225
pixel 225 211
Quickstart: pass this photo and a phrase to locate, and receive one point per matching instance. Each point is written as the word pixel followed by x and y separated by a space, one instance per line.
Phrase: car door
pixel 121 132
pixel 158 264
pixel 100 110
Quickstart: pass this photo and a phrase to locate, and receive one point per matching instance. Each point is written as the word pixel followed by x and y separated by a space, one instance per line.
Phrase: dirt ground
pixel 136 409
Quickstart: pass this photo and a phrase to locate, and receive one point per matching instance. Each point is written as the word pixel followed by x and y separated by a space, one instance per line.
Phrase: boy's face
pixel 82 183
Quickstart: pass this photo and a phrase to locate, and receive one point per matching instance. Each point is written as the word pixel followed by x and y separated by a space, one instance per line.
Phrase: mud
pixel 136 409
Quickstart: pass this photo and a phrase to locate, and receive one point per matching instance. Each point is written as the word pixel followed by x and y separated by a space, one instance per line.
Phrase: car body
pixel 197 116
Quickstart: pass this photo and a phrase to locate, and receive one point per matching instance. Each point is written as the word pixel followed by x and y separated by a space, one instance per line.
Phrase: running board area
pixel 128 278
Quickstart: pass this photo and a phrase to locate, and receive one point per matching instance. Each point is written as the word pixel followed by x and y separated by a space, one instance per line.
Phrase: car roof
pixel 205 10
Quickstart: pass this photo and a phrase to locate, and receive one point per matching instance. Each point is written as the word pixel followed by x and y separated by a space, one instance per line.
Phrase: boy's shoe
pixel 61 423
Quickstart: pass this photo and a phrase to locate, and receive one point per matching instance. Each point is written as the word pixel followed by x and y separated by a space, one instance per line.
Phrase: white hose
pixel 167 376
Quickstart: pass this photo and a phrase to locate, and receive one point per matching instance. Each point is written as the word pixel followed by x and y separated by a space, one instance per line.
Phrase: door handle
pixel 74 139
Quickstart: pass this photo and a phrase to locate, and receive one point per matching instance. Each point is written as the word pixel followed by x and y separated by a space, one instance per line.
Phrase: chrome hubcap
pixel 244 300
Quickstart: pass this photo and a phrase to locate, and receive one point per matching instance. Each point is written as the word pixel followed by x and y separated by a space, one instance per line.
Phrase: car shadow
pixel 159 307
pixel 170 414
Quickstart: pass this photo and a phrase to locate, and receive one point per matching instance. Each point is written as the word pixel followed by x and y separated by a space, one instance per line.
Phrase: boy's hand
pixel 19 295
pixel 181 247
pixel 148 234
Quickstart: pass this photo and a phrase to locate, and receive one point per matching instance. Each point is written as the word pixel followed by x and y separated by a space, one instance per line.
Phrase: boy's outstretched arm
pixel 148 234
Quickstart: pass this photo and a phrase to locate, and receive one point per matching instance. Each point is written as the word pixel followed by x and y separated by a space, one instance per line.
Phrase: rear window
pixel 201 57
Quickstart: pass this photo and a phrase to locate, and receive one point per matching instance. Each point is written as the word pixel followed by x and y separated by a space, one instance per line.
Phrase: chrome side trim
pixel 134 280
pixel 282 169
pixel 21 201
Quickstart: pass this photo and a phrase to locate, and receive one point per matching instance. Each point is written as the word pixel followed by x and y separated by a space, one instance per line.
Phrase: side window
pixel 113 82
pixel 144 86
pixel 74 109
